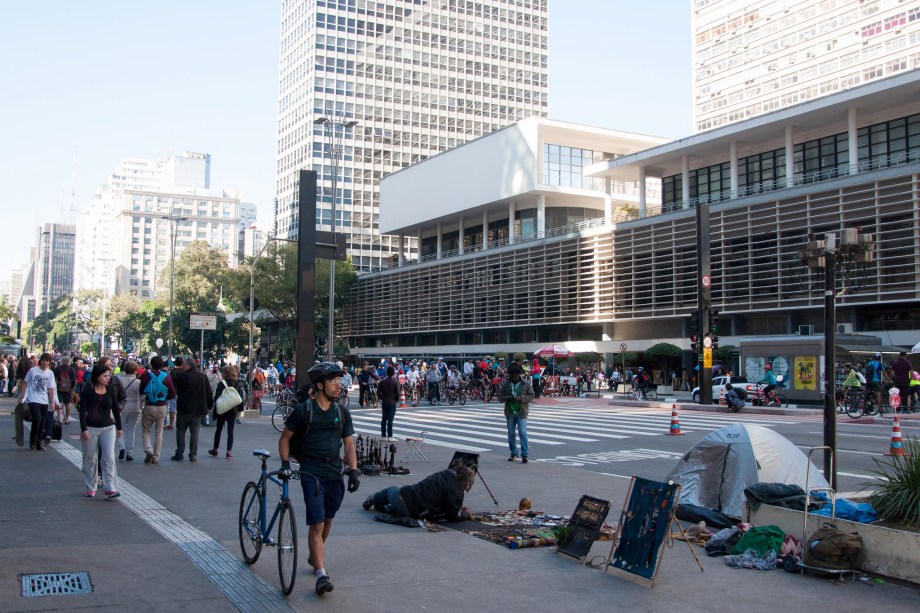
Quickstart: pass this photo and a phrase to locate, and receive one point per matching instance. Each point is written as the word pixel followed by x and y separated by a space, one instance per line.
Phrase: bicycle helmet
pixel 324 370
pixel 878 356
pixel 767 366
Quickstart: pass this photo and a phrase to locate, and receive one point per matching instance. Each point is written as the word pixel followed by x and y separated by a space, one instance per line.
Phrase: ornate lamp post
pixel 843 264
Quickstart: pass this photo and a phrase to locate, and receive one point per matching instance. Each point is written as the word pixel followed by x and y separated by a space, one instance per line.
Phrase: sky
pixel 87 84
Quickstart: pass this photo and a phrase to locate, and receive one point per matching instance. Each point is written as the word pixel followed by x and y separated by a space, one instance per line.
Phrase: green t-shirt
pixel 319 447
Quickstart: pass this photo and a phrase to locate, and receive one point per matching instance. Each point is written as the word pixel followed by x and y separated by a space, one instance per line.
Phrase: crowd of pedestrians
pixel 110 400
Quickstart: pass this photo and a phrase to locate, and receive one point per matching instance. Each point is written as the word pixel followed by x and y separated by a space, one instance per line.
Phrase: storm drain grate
pixel 56 584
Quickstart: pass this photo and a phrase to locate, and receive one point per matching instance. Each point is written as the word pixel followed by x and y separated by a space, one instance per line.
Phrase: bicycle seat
pixel 261 453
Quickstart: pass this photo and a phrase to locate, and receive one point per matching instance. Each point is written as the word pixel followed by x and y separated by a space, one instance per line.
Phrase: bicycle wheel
pixel 853 408
pixel 287 547
pixel 462 397
pixel 635 395
pixel 474 392
pixel 250 524
pixel 345 400
pixel 651 395
pixel 781 400
pixel 279 416
pixel 451 398
pixel 373 399
pixel 414 396
pixel 870 407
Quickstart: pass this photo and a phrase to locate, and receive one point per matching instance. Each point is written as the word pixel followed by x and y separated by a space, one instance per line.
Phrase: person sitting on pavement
pixel 732 399
pixel 439 495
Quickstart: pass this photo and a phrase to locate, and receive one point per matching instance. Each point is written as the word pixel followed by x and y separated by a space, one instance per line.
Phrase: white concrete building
pixel 751 58
pixel 124 235
pixel 418 78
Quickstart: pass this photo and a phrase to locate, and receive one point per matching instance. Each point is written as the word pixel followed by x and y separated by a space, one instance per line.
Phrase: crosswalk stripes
pixel 482 427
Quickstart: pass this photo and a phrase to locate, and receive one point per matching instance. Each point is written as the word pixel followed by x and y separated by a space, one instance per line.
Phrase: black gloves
pixel 286 468
pixel 353 480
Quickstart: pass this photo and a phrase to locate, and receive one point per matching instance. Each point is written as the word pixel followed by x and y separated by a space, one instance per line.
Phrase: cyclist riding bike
pixel 642 382
pixel 853 383
pixel 453 378
pixel 770 380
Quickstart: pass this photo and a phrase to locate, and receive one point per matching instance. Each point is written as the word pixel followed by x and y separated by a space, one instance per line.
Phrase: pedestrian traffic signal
pixel 695 343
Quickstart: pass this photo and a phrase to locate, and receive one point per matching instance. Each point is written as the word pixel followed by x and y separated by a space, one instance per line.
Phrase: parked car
pixel 718 386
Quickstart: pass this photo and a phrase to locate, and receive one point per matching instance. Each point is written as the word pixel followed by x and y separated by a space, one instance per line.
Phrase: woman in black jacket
pixel 100 425
pixel 228 417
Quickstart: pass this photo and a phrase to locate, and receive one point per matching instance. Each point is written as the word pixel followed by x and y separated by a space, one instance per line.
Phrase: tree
pixel 88 349
pixel 275 290
pixel 200 272
pixel 589 358
pixel 664 353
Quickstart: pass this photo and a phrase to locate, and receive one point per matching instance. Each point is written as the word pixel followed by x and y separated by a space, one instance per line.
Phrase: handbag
pixel 229 398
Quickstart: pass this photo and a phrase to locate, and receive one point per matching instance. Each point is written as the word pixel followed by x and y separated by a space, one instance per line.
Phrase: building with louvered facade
pixel 617 265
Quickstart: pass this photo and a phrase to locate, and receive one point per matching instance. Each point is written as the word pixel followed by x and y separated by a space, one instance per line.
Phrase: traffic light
pixel 714 326
pixel 695 343
pixel 694 324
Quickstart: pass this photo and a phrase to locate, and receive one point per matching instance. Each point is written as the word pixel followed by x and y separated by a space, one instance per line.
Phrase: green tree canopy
pixel 589 357
pixel 663 352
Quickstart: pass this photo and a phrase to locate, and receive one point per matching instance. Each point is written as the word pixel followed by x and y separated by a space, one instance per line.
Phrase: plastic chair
pixel 415 447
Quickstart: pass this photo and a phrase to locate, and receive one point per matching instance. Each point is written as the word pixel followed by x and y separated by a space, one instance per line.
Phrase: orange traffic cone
pixel 402 398
pixel 896 448
pixel 675 423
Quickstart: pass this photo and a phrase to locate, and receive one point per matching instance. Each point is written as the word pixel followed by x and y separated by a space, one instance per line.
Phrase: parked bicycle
pixel 372 398
pixel 255 529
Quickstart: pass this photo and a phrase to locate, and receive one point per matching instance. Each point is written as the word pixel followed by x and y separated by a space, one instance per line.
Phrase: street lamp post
pixel 334 132
pixel 174 230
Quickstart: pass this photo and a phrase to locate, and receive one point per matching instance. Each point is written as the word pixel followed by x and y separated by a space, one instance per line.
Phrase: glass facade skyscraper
pixel 418 78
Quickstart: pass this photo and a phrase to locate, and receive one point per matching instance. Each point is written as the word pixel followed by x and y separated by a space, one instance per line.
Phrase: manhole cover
pixel 56 584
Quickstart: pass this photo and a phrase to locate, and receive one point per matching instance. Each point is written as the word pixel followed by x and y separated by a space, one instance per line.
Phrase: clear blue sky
pixel 112 80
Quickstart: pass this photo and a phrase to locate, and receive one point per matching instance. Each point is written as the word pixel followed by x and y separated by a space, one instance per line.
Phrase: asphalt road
pixel 624 440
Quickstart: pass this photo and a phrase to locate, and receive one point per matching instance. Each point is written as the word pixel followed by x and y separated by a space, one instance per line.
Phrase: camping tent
pixel 715 471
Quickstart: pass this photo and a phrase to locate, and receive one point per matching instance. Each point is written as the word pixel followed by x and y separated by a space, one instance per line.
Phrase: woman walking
pixel 230 381
pixel 131 413
pixel 100 425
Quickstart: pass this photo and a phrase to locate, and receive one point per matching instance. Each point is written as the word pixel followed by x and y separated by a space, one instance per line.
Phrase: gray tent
pixel 715 471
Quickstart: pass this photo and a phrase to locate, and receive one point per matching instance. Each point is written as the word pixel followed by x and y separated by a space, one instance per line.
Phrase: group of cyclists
pixel 865 390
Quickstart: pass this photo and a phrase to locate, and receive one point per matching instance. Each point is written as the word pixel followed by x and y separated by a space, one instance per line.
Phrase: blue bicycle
pixel 255 529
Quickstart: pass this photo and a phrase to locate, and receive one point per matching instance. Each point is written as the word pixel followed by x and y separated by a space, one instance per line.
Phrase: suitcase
pixel 57 431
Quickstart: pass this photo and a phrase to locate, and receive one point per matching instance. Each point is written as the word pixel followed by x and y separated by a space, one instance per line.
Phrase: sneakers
pixel 523 459
pixel 177 457
pixel 89 493
pixel 323 585
pixel 192 457
pixel 121 454
pixel 512 458
pixel 39 447
pixel 212 452
pixel 368 503
pixel 149 458
pixel 129 457
pixel 111 495
pixel 229 455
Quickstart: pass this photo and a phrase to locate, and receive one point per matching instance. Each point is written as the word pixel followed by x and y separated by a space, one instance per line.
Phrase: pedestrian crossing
pixel 482 427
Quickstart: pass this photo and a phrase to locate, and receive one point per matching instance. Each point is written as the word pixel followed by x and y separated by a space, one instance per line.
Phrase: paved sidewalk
pixel 170 544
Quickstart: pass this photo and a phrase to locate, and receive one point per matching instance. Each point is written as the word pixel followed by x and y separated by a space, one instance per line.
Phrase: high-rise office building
pixel 53 263
pixel 146 211
pixel 418 78
pixel 750 58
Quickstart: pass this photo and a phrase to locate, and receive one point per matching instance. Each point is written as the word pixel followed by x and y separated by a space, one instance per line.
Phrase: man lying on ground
pixel 439 495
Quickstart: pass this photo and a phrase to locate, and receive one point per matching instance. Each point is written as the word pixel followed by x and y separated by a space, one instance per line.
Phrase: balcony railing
pixel 828 174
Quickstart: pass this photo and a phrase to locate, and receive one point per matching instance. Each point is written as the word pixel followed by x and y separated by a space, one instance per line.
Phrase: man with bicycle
pixel 433 378
pixel 313 435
